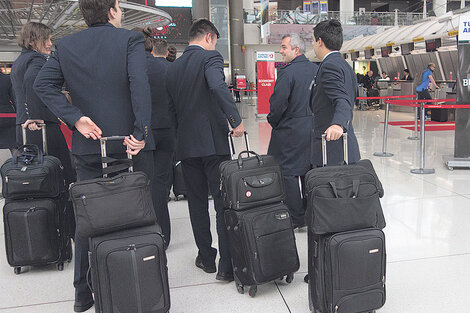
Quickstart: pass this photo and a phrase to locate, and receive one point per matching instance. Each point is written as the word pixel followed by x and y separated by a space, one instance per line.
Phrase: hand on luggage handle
pixel 44 137
pixel 103 141
pixel 345 148
pixel 232 146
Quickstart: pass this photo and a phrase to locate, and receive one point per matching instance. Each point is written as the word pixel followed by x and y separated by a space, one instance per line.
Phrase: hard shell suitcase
pixel 104 205
pixel 250 182
pixel 345 197
pixel 129 271
pixel 36 229
pixel 347 271
pixel 262 245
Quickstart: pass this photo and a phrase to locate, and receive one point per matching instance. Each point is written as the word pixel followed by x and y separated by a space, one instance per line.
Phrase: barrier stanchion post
pixel 384 153
pixel 415 133
pixel 422 169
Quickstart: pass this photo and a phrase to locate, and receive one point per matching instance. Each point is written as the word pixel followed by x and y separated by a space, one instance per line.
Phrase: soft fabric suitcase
pixel 104 205
pixel 35 233
pixel 345 197
pixel 129 271
pixel 346 271
pixel 179 186
pixel 250 182
pixel 262 245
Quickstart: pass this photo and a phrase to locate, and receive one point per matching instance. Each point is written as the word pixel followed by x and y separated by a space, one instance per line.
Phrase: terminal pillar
pixel 237 36
pixel 346 10
pixel 439 7
pixel 200 9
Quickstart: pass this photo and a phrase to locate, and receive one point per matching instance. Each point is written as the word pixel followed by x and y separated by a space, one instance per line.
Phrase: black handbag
pixel 345 197
pixel 252 181
pixel 105 205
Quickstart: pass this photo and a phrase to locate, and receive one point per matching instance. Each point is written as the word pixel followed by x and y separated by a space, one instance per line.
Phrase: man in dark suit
pixel 104 68
pixel 203 104
pixel 291 120
pixel 163 130
pixel 333 96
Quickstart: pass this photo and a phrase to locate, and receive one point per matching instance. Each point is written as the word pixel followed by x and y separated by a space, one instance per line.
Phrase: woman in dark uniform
pixel 35 39
pixel 7 111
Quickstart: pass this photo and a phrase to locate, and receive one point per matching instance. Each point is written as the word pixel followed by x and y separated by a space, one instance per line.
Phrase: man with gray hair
pixel 291 120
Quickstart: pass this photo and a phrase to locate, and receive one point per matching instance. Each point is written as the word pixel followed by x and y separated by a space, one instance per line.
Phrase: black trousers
pixel 89 167
pixel 198 174
pixel 165 142
pixel 423 95
pixel 294 199
pixel 56 146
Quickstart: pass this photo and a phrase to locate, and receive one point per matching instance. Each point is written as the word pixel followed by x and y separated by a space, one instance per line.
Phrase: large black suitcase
pixel 262 245
pixel 129 271
pixel 104 205
pixel 345 197
pixel 35 233
pixel 346 271
pixel 250 182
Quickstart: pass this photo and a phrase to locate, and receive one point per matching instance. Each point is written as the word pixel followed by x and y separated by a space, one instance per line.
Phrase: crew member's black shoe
pixel 228 277
pixel 80 306
pixel 207 269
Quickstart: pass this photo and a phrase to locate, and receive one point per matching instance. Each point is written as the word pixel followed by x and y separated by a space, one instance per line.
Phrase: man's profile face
pixel 117 14
pixel 316 46
pixel 370 73
pixel 288 54
pixel 212 42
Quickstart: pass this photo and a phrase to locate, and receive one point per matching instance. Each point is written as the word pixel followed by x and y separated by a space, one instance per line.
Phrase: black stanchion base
pixel 413 138
pixel 383 154
pixel 423 171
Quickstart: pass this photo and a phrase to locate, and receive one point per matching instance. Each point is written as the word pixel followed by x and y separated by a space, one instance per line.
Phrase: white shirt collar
pixel 329 54
pixel 197 45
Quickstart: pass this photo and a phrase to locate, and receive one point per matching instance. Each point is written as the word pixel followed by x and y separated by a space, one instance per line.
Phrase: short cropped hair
pixel 331 33
pixel 96 11
pixel 202 27
pixel 32 34
pixel 296 41
pixel 406 70
pixel 171 53
pixel 160 46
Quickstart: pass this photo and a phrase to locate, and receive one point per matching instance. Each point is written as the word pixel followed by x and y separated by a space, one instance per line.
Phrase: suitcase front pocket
pixel 31 183
pixel 262 187
pixel 360 302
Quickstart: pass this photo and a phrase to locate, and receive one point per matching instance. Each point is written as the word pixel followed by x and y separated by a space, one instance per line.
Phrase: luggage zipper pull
pixel 221 182
pixel 336 309
pixel 383 281
pixel 131 247
pixel 31 210
pixel 244 181
pixel 24 168
pixel 6 179
pixel 83 199
pixel 256 255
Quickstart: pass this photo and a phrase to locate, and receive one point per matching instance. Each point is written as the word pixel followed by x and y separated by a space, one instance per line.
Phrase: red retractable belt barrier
pixel 389 97
pixel 7 115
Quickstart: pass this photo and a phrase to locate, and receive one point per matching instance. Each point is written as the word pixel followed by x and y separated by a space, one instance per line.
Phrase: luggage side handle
pixel 232 146
pixel 44 138
pixel 323 149
pixel 105 159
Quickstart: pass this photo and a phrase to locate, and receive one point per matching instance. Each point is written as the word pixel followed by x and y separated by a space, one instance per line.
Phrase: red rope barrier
pixel 255 90
pixel 417 103
pixel 389 97
pixel 7 114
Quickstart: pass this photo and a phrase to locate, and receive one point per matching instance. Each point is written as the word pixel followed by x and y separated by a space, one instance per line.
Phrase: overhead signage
pixel 464 28
pixel 265 56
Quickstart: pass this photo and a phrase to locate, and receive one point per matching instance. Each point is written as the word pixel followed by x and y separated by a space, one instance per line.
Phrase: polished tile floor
pixel 428 240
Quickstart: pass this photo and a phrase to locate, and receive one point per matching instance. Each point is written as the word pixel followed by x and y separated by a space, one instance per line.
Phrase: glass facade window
pixel 219 16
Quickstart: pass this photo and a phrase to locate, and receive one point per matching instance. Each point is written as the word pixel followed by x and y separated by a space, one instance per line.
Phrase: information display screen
pixel 433 44
pixel 386 51
pixel 177 31
pixel 407 48
pixel 355 55
pixel 368 53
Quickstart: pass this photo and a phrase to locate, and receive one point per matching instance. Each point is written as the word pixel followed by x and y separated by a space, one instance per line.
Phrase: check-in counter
pixel 397 88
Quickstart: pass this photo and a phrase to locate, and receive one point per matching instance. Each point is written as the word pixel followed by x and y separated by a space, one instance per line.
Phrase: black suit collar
pixel 331 55
pixel 193 47
pixel 300 58
pixel 108 24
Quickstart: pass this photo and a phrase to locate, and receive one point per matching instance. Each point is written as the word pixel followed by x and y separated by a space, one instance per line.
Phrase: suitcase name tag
pixel 282 216
pixel 373 251
pixel 149 258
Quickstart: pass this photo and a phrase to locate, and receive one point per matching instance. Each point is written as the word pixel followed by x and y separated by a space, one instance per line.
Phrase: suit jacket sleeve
pixel 139 86
pixel 33 103
pixel 335 90
pixel 214 73
pixel 48 87
pixel 279 99
pixel 11 94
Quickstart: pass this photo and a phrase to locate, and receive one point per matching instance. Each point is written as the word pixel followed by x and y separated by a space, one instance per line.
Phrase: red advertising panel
pixel 266 80
pixel 241 82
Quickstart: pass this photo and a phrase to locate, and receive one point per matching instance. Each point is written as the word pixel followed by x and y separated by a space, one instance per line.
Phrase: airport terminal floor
pixel 428 239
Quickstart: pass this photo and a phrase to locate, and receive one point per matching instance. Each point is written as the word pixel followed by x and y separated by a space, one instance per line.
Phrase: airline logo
pixel 265 56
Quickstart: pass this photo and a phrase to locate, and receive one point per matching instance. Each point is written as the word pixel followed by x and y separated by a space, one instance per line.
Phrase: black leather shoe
pixel 228 277
pixel 207 269
pixel 82 306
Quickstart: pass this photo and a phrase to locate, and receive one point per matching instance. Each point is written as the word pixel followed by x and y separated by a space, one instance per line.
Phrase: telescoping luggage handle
pixel 124 164
pixel 323 148
pixel 232 146
pixel 44 138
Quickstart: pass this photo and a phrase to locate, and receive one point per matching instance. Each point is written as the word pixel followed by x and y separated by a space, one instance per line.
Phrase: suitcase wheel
pixel 289 278
pixel 17 270
pixel 252 291
pixel 240 289
pixel 60 266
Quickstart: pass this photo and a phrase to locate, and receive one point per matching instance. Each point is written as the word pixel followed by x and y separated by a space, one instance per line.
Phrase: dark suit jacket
pixel 291 118
pixel 7 99
pixel 333 96
pixel 162 114
pixel 105 70
pixel 203 103
pixel 23 73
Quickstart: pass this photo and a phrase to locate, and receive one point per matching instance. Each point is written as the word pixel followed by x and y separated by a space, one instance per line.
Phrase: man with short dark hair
pixel 291 120
pixel 333 96
pixel 203 104
pixel 104 68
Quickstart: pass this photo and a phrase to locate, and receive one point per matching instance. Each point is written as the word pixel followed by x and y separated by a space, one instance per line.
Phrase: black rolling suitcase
pixel 346 247
pixel 104 205
pixel 129 271
pixel 34 215
pixel 259 226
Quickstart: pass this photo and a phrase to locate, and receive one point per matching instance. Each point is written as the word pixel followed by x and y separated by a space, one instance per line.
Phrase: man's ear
pixel 208 37
pixel 111 14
